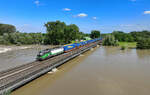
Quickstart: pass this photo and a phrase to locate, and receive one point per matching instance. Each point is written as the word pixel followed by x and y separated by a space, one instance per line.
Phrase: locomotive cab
pixel 42 53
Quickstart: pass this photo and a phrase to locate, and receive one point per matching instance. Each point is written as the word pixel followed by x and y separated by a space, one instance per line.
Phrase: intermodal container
pixel 69 47
pixel 77 44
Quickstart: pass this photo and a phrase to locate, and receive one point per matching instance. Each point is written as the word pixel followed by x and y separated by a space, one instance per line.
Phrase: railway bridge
pixel 18 76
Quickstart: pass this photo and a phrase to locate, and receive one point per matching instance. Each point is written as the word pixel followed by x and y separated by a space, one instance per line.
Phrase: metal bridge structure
pixel 15 77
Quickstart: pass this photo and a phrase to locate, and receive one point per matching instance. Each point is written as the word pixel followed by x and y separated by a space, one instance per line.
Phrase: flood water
pixel 103 71
pixel 15 58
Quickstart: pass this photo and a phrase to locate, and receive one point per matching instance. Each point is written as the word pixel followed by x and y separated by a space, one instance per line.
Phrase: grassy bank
pixel 128 44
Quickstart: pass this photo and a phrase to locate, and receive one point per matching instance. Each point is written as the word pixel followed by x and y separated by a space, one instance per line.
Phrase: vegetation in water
pixel 143 43
pixel 123 47
pixel 110 40
pixel 135 39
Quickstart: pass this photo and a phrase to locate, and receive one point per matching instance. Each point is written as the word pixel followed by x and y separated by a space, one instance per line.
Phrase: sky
pixel 104 15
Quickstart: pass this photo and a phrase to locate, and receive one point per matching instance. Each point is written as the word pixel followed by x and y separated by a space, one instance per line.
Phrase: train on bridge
pixel 18 76
pixel 48 53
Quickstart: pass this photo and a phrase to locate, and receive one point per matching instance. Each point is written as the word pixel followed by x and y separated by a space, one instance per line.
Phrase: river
pixel 19 57
pixel 103 71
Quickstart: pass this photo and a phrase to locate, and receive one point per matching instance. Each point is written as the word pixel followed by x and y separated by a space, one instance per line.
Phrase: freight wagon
pixel 70 47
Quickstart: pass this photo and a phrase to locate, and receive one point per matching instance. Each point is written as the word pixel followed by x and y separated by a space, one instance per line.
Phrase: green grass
pixel 128 44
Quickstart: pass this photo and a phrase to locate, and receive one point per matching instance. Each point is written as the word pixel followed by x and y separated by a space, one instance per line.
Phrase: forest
pixel 57 33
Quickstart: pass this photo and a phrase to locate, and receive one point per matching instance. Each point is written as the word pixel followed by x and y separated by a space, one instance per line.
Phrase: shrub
pixel 143 43
pixel 109 40
pixel 123 47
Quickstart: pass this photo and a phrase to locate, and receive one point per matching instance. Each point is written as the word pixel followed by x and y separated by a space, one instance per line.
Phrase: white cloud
pixel 82 15
pixel 37 2
pixel 67 9
pixel 125 25
pixel 94 18
pixel 146 12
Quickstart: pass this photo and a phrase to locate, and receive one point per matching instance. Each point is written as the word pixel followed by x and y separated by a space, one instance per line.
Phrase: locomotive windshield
pixel 43 52
pixel 40 53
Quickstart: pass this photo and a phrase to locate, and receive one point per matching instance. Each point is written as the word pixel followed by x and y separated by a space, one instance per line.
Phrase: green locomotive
pixel 48 53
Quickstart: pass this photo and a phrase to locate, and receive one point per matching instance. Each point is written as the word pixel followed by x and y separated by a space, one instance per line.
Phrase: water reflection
pixel 110 51
pixel 143 53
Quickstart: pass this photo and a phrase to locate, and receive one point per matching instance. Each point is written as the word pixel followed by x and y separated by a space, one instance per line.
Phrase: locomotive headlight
pixel 41 53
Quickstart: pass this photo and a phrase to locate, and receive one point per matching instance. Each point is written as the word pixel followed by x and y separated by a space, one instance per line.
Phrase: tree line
pixel 57 33
pixel 141 37
pixel 9 35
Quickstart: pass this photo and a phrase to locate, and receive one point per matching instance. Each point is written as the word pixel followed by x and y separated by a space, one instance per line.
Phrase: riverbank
pixel 5 48
pixel 128 44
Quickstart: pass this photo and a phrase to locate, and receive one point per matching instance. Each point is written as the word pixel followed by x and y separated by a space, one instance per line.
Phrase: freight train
pixel 48 53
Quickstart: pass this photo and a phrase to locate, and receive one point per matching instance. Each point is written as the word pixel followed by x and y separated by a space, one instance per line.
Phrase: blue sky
pixel 104 15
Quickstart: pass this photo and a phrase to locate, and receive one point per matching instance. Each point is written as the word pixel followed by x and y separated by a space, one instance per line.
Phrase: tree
pixel 6 28
pixel 1 40
pixel 55 31
pixel 143 43
pixel 123 37
pixel 71 32
pixel 109 40
pixel 6 38
pixel 60 33
pixel 138 35
pixel 95 34
pixel 13 38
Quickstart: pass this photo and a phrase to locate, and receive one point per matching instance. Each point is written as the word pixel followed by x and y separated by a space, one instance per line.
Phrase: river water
pixel 19 57
pixel 103 71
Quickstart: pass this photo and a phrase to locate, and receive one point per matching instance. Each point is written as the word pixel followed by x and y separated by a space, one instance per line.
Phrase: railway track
pixel 10 75
pixel 5 76
pixel 3 73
